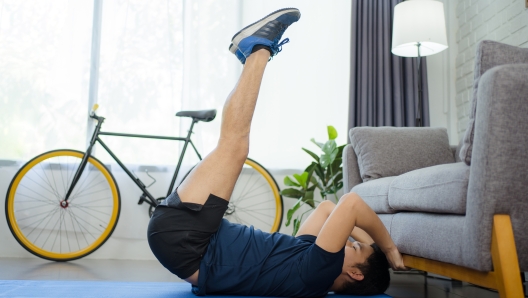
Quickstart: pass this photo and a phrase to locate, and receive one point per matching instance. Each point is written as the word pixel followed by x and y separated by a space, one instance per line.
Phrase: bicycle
pixel 64 204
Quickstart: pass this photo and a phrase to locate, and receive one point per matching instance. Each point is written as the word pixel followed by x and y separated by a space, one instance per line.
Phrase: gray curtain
pixel 383 86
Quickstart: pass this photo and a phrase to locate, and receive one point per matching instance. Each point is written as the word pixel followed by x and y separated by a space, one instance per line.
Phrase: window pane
pixel 140 77
pixel 45 62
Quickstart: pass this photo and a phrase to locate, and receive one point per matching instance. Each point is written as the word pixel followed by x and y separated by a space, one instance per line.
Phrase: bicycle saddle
pixel 204 115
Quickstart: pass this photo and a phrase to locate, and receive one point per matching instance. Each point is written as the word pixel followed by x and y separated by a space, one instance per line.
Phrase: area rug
pixel 104 289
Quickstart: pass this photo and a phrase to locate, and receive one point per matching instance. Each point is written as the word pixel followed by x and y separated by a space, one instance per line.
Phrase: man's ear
pixel 355 274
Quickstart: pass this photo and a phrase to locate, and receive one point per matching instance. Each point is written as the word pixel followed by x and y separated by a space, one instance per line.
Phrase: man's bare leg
pixel 218 172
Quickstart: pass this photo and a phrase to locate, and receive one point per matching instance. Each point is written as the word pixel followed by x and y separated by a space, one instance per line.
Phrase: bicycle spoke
pixel 91 208
pixel 49 234
pixel 91 193
pixel 81 227
pixel 38 220
pixel 47 181
pixel 253 205
pixel 47 201
pixel 255 212
pixel 62 177
pixel 35 192
pixel 86 189
pixel 29 208
pixel 245 185
pixel 252 189
pixel 53 177
pixel 29 178
pixel 74 230
pixel 91 216
pixel 245 198
pixel 91 202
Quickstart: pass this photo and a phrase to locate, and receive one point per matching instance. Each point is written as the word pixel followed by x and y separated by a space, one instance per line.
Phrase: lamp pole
pixel 420 94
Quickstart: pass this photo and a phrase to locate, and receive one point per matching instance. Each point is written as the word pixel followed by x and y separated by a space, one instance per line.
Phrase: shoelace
pixel 278 48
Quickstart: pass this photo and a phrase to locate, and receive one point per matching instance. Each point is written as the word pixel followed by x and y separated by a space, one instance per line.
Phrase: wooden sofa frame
pixel 506 277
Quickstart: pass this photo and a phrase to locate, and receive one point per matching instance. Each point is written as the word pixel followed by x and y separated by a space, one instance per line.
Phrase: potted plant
pixel 325 174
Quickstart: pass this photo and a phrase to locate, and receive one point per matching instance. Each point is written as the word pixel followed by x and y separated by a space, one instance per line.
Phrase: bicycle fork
pixel 82 165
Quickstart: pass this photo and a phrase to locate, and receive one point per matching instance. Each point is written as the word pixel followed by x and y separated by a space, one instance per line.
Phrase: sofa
pixel 458 211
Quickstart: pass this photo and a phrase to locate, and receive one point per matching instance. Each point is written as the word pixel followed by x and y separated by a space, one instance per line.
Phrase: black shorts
pixel 179 234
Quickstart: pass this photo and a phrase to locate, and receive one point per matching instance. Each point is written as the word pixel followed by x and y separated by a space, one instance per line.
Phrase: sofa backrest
pixel 489 54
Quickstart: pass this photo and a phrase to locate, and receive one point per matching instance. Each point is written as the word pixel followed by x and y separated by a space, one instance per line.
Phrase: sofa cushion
pixel 438 189
pixel 375 194
pixel 391 151
pixel 489 54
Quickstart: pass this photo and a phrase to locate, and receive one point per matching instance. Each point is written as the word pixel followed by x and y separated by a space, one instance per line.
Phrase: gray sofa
pixel 439 202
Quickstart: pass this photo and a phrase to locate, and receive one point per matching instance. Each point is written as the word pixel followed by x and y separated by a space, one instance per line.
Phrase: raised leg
pixel 218 172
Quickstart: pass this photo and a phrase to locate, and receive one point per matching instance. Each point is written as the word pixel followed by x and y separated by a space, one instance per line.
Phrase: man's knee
pixel 351 200
pixel 236 149
pixel 326 206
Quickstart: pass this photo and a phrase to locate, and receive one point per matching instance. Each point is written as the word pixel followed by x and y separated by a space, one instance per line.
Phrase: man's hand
pixel 395 259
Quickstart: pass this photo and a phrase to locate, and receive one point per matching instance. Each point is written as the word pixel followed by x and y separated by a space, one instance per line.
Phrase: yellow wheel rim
pixel 278 201
pixel 54 255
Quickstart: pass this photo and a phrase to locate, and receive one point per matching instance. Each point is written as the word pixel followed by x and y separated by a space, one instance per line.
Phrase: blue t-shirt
pixel 241 260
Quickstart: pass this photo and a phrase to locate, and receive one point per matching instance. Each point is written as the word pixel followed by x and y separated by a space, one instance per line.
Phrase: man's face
pixel 356 253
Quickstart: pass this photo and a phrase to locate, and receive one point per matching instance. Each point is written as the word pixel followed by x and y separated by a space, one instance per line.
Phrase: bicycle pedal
pixel 142 199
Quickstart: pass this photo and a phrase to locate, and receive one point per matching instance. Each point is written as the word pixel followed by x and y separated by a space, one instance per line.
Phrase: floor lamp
pixel 419 30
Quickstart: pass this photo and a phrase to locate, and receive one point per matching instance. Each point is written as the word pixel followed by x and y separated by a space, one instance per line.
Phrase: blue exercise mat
pixel 103 289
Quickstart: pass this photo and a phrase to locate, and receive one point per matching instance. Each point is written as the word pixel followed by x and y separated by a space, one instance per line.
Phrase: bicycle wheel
pixel 44 227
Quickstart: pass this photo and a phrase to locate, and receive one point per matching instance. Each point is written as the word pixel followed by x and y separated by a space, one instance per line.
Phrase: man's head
pixel 365 271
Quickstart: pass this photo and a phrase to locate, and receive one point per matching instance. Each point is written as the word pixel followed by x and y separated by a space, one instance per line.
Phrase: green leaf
pixel 292 193
pixel 320 145
pixel 289 182
pixel 302 178
pixel 328 159
pixel 308 198
pixel 296 226
pixel 311 154
pixel 290 213
pixel 329 147
pixel 332 132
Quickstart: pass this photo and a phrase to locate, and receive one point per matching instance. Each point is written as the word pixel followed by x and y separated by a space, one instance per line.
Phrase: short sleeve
pixel 321 267
pixel 307 238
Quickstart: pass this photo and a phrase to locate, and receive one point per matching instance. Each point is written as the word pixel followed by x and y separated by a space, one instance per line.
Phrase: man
pixel 189 237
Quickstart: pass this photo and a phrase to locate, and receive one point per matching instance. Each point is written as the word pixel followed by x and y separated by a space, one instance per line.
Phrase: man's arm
pixel 352 211
pixel 314 223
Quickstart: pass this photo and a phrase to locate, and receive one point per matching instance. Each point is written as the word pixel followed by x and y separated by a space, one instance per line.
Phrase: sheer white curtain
pixel 156 58
pixel 44 75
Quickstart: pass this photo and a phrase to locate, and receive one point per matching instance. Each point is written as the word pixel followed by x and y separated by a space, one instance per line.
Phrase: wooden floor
pixel 407 285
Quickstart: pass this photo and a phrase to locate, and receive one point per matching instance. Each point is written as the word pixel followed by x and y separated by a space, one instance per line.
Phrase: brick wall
pixel 499 20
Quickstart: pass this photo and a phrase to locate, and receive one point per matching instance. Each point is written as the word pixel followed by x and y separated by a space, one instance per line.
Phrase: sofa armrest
pixel 498 180
pixel 351 175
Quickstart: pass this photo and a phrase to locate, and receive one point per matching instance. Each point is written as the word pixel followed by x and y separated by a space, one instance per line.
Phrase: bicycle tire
pixel 85 223
pixel 271 206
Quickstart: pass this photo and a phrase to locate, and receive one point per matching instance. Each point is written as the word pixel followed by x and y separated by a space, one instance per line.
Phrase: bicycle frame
pixel 95 138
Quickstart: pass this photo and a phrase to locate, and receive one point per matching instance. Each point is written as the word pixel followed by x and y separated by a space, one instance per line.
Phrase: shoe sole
pixel 252 28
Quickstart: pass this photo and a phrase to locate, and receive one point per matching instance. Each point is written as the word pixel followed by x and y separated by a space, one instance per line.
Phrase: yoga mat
pixel 105 289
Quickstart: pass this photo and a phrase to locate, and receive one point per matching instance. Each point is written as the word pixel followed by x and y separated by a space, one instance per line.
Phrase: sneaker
pixel 266 31
pixel 237 53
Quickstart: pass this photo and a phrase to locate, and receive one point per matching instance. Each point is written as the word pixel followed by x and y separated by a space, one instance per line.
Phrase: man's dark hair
pixel 376 277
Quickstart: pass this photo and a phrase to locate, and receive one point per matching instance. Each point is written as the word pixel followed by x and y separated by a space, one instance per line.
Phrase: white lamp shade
pixel 418 21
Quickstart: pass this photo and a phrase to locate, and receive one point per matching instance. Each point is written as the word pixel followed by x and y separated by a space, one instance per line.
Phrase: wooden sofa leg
pixel 504 257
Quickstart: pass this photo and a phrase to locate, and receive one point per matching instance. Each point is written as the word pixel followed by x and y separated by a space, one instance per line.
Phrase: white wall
pixel 440 77
pixel 499 20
